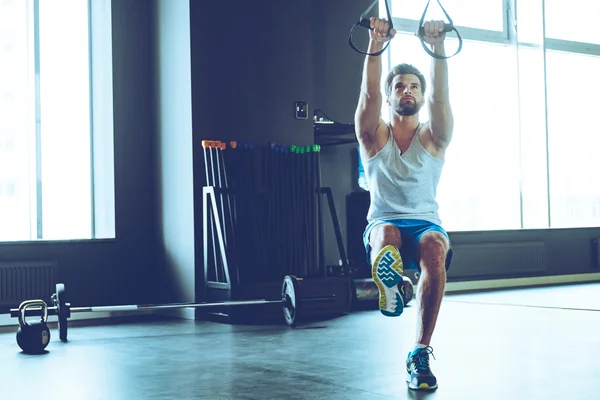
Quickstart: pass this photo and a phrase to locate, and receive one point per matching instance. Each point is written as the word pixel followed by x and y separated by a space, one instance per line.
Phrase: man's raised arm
pixel 367 116
pixel 440 113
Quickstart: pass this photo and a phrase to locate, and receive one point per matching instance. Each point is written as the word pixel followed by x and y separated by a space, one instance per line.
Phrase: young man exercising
pixel 403 163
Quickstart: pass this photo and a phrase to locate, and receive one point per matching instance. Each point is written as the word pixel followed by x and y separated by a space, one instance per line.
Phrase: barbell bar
pixel 291 301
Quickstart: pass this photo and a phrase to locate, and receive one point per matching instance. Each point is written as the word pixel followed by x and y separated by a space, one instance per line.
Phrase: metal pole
pixel 33 311
pixel 169 306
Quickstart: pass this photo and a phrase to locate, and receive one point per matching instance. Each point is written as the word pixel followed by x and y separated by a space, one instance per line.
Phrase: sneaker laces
pixel 420 359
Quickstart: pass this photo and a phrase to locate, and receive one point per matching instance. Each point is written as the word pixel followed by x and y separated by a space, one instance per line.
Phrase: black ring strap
pixel 448 27
pixel 366 23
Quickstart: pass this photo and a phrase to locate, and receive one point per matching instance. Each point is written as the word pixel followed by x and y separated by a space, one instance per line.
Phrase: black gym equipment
pixel 366 293
pixel 409 290
pixel 366 23
pixel 33 338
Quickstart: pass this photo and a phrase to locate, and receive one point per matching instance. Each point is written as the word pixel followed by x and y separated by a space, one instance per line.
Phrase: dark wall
pixel 248 71
pixel 123 270
pixel 338 73
pixel 250 61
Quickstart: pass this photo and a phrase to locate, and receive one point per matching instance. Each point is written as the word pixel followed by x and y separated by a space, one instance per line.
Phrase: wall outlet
pixel 301 110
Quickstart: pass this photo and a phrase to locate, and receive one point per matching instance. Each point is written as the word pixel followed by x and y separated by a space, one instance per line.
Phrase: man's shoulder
pixel 425 130
pixel 428 142
pixel 373 144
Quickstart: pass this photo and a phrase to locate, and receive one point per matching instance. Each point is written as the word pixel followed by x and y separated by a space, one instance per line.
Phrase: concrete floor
pixel 497 345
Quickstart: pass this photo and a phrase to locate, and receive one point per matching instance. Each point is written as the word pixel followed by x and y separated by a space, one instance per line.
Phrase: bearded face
pixel 406 106
pixel 406 97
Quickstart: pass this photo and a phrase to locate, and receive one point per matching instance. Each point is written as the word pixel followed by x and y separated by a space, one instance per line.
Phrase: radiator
pixel 498 259
pixel 27 280
pixel 596 252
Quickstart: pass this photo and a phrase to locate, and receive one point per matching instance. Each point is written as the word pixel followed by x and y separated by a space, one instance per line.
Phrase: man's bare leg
pixel 433 249
pixel 381 236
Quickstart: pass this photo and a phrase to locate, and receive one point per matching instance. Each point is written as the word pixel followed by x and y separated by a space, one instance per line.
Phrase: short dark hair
pixel 403 69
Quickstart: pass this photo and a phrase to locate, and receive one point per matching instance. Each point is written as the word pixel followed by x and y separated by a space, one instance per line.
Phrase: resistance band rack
pixel 262 220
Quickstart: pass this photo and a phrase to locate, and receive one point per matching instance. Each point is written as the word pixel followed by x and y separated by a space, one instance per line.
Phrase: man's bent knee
pixel 383 235
pixel 433 249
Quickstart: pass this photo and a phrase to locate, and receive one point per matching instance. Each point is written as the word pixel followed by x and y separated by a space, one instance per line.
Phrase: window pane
pixel 573 142
pixel 65 119
pixel 534 174
pixel 16 129
pixel 530 16
pixel 574 20
pixel 479 188
pixel 478 14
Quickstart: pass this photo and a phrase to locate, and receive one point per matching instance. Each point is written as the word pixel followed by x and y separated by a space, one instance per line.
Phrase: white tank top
pixel 403 185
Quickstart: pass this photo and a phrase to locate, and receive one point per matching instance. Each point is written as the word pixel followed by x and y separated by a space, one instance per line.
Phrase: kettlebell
pixel 33 337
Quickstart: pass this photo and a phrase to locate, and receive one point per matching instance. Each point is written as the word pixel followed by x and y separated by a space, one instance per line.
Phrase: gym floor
pixel 539 343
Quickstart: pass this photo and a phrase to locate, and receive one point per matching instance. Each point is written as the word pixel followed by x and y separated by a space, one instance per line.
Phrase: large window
pixel 573 139
pixel 46 152
pixel 522 156
pixel 17 121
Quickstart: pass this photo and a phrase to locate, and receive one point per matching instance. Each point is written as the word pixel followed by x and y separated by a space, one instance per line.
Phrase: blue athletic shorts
pixel 411 231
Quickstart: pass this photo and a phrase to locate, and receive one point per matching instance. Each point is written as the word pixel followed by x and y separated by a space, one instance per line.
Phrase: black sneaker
pixel 419 375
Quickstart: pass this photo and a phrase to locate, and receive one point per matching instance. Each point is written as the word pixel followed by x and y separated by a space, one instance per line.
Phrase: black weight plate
pixel 409 291
pixel 290 294
pixel 62 311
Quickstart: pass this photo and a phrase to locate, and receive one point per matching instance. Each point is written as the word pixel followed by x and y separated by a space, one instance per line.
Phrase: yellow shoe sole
pixel 387 273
